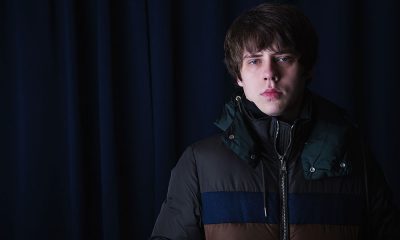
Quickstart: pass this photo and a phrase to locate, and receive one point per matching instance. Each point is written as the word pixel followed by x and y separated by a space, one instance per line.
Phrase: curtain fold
pixel 99 98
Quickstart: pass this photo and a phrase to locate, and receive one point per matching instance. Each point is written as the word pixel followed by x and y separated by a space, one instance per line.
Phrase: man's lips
pixel 271 93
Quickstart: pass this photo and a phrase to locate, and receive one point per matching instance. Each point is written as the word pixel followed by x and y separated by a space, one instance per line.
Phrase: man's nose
pixel 270 71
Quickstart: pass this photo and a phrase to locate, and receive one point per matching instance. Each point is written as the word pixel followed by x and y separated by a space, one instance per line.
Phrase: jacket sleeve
pixel 180 215
pixel 383 216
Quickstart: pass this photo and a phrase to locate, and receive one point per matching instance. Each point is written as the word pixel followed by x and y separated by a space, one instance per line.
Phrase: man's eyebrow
pixel 253 55
pixel 283 52
pixel 279 52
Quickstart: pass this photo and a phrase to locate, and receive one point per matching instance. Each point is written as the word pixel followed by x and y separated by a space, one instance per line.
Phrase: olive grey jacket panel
pixel 211 166
pixel 180 215
pixel 221 170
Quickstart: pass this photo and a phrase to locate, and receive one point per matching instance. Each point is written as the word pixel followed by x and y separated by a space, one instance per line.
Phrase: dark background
pixel 99 98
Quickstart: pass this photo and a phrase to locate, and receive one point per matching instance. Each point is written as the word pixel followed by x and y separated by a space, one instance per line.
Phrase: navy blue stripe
pixel 325 209
pixel 232 207
pixel 246 207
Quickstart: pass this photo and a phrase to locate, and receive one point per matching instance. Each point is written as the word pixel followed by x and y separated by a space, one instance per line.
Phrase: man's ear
pixel 239 82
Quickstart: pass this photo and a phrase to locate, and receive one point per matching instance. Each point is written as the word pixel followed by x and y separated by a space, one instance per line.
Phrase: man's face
pixel 274 81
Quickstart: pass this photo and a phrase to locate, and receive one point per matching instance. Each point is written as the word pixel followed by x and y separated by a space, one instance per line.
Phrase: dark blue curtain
pixel 98 99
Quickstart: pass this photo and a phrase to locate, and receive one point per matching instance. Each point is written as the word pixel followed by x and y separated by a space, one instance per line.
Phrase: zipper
pixel 283 182
pixel 284 226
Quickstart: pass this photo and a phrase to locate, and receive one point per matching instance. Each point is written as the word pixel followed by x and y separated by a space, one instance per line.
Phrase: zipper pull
pixel 283 163
pixel 265 213
pixel 283 167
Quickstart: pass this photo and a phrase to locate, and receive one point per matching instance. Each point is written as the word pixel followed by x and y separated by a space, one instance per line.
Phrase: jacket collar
pixel 237 135
pixel 324 155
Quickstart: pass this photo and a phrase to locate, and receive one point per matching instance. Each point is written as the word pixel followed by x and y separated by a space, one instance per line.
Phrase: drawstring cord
pixel 263 191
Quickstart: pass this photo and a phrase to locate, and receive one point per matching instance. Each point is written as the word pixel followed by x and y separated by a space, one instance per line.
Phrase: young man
pixel 288 164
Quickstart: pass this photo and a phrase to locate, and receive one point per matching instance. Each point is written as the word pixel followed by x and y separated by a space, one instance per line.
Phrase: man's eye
pixel 254 61
pixel 283 59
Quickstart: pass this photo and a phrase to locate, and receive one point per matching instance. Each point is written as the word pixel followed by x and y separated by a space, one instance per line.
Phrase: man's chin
pixel 272 112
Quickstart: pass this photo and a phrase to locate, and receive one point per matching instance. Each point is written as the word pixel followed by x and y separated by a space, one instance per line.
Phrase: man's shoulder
pixel 199 150
pixel 209 143
pixel 210 148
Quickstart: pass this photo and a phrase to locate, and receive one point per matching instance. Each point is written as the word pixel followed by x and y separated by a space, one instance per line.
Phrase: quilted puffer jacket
pixel 236 186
